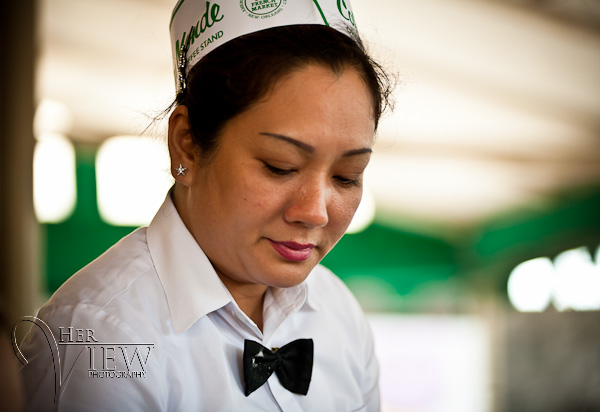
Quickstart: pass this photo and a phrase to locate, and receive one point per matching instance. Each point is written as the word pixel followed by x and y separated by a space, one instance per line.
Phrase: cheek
pixel 344 207
pixel 258 196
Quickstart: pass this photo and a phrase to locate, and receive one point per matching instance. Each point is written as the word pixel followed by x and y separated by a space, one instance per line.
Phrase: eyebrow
pixel 308 148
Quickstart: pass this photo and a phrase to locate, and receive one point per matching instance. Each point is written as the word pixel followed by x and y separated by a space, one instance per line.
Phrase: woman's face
pixel 285 180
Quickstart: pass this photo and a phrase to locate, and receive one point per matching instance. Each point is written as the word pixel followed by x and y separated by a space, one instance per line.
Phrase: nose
pixel 309 205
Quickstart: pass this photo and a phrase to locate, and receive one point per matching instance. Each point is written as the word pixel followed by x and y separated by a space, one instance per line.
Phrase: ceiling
pixel 497 104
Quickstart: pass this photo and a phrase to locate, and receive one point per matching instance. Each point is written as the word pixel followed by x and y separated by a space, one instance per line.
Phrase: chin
pixel 290 277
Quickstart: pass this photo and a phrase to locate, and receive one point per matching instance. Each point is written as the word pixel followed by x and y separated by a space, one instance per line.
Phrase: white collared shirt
pixel 156 330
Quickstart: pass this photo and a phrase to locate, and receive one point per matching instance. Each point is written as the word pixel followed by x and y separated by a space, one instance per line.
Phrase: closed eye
pixel 278 171
pixel 344 181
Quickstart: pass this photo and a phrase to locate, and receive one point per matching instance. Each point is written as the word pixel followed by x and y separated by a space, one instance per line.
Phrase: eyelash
pixel 347 182
pixel 285 172
pixel 277 171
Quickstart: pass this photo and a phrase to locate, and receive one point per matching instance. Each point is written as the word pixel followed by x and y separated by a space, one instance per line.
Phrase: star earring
pixel 181 170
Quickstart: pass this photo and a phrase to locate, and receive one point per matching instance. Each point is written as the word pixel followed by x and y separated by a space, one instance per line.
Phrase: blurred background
pixel 476 249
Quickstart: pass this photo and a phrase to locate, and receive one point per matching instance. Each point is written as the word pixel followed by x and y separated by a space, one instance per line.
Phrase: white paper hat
pixel 209 24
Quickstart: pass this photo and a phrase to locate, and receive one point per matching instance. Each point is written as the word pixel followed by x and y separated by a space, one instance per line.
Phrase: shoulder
pixel 111 273
pixel 117 286
pixel 113 304
pixel 344 327
pixel 323 285
pixel 334 299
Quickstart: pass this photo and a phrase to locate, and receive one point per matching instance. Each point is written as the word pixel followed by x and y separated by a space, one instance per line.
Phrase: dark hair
pixel 233 77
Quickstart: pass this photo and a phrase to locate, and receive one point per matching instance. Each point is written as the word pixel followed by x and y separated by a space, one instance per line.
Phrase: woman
pixel 220 304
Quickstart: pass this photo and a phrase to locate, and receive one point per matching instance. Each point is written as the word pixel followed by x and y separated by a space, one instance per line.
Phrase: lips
pixel 293 251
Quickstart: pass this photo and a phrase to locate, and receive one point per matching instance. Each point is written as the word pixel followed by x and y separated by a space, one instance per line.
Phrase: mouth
pixel 296 252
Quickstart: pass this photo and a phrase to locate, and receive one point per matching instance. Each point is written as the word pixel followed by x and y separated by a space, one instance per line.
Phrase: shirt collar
pixel 192 287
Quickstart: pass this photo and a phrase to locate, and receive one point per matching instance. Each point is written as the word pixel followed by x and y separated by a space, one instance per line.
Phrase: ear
pixel 181 146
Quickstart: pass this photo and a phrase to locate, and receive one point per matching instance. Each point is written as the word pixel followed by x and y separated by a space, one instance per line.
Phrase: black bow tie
pixel 292 363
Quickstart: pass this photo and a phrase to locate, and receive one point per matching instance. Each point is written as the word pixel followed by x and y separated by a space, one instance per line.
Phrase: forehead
pixel 313 103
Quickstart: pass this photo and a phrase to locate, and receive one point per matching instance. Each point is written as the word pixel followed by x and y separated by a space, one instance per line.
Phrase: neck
pixel 250 298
